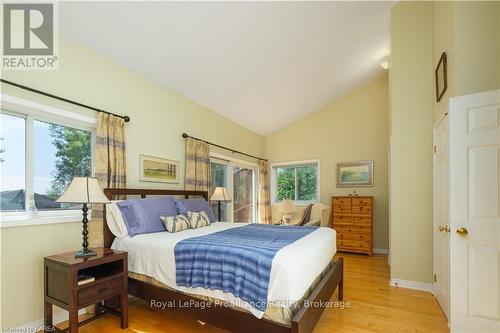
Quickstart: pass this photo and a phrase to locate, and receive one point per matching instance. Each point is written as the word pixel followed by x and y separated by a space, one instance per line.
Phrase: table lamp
pixel 220 195
pixel 287 208
pixel 84 190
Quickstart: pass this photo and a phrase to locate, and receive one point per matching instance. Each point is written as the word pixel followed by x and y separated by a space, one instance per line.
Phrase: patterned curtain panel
pixel 197 165
pixel 264 194
pixel 109 166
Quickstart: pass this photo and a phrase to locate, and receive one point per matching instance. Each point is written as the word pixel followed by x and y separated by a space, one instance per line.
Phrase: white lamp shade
pixel 287 207
pixel 220 194
pixel 83 190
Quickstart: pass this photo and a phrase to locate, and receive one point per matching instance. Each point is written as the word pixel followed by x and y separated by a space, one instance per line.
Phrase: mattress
pixel 295 268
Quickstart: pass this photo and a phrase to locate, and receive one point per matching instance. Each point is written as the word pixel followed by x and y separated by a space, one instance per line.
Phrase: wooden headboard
pixel 113 192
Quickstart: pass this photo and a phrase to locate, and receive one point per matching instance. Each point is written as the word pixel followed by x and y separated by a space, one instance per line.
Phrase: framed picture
pixel 441 77
pixel 156 169
pixel 355 174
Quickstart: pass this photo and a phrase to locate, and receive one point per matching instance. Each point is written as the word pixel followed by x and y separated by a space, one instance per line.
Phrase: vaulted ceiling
pixel 261 64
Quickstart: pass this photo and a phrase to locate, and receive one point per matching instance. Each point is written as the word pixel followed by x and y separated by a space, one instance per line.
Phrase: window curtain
pixel 197 165
pixel 264 194
pixel 109 166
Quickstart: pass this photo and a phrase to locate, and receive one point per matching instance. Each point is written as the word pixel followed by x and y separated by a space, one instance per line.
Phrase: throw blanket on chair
pixel 237 260
pixel 307 215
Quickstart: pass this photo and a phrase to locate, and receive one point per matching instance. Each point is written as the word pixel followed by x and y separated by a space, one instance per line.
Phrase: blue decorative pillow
pixel 194 205
pixel 142 216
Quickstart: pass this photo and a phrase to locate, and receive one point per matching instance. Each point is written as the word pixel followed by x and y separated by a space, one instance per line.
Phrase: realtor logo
pixel 29 36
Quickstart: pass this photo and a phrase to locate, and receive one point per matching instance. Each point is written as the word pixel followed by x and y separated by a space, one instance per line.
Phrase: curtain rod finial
pixel 184 135
pixel 126 118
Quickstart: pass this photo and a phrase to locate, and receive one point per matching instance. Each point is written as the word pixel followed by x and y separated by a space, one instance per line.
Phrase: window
pixel 297 181
pixel 60 153
pixel 219 178
pixel 12 159
pixel 39 155
pixel 240 179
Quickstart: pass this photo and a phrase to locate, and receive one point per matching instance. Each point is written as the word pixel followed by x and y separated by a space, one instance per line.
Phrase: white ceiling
pixel 260 64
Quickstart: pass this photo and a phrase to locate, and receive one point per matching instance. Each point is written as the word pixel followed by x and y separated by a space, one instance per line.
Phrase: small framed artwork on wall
pixel 355 174
pixel 441 77
pixel 157 169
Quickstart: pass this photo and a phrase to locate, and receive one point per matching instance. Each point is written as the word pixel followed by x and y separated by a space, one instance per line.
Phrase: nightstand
pixel 108 268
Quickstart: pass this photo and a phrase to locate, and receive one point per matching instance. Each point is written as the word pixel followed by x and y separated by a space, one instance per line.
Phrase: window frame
pixel 32 111
pixel 274 191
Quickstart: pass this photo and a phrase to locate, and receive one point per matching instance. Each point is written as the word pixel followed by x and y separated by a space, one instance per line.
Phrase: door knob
pixel 447 228
pixel 441 228
pixel 462 232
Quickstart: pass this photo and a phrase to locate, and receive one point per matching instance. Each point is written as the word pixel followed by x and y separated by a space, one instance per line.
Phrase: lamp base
pixel 83 253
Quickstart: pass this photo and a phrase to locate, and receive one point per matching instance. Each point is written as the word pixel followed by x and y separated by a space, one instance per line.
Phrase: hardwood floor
pixel 375 307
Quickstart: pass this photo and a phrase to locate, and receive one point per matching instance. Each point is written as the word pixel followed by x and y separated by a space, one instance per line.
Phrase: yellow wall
pixel 444 41
pixel 353 128
pixel 158 117
pixel 469 33
pixel 411 77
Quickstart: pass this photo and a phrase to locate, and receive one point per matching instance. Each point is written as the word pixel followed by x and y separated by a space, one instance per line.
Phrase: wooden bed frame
pixel 223 317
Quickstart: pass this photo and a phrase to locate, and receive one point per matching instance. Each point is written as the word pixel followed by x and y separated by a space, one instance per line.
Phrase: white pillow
pixel 115 220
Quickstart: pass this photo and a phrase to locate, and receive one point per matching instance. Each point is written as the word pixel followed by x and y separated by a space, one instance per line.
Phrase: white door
pixel 441 216
pixel 475 213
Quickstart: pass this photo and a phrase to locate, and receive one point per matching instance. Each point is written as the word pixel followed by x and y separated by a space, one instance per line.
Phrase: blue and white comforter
pixel 237 260
pixel 292 270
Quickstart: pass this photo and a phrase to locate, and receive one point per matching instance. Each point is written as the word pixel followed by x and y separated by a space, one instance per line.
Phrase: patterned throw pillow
pixel 198 220
pixel 175 223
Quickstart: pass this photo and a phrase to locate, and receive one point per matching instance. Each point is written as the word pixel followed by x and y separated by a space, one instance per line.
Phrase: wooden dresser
pixel 352 220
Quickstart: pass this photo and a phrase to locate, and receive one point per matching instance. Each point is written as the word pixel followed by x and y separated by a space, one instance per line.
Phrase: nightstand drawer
pixel 100 291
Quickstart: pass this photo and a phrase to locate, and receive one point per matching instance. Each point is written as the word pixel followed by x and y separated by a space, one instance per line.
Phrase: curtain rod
pixel 125 118
pixel 184 135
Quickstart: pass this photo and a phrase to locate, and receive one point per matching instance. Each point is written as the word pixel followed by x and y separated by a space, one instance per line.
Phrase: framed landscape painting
pixel 156 169
pixel 355 174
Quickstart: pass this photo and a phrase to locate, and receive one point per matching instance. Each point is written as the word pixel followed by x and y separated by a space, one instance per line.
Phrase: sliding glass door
pixel 244 196
pixel 240 180
pixel 219 178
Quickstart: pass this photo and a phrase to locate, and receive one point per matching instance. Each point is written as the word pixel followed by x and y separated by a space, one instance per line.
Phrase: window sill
pixel 299 202
pixel 24 220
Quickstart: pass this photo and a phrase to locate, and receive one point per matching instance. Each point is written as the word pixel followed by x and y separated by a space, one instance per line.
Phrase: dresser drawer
pixel 347 228
pixel 353 236
pixel 361 209
pixel 342 201
pixel 98 292
pixel 354 244
pixel 346 219
pixel 341 209
pixel 361 201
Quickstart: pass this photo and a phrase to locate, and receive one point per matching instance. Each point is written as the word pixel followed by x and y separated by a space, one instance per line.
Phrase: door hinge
pixel 434 148
pixel 435 279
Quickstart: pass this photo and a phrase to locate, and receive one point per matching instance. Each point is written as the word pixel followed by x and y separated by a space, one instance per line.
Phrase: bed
pixel 152 276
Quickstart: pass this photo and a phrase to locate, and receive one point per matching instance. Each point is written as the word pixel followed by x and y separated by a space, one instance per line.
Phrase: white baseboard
pixel 380 251
pixel 412 285
pixel 38 324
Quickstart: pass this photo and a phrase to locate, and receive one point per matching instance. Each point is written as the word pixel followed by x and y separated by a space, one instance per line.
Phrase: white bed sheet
pixel 294 267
